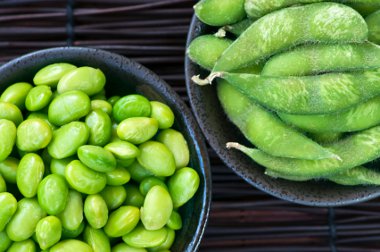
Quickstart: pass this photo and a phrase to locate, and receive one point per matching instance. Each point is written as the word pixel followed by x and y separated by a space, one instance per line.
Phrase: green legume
pixel 10 112
pixel 16 94
pixel 114 196
pixel 373 27
pixel 113 99
pixel 72 216
pixel 183 185
pixel 57 166
pixel 238 28
pixel 175 221
pixel 163 114
pixel 137 130
pixel 8 138
pixel 122 150
pixel 29 174
pixel 122 247
pixel 118 176
pixel 23 246
pixel 5 242
pixel 166 245
pixel 134 196
pixel 71 245
pixel 100 126
pixel 149 182
pixel 42 116
pixel 102 105
pixel 177 144
pixel 48 231
pixel 71 234
pixel 122 221
pixel 51 74
pixel 52 194
pixel 8 207
pixel 8 168
pixel 33 135
pixel 142 238
pixel 138 172
pixel 131 106
pixel 97 158
pixel 96 211
pixel 97 239
pixel 38 98
pixel 3 185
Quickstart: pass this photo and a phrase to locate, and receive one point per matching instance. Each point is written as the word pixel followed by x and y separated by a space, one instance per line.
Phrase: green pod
pixel 100 126
pixel 71 234
pixel 364 7
pixel 72 216
pixel 8 138
pixel 138 172
pixel 319 94
pixel 177 144
pixel 5 242
pixel 10 112
pixel 24 221
pixel 183 185
pixel 38 98
pixel 8 207
pixel 142 238
pixel 156 158
pixel 167 244
pixel 68 107
pixel 264 129
pixel 97 239
pixel 67 139
pixel 175 221
pixel 48 232
pixel 122 247
pixel 33 135
pixel 122 221
pixel 96 211
pixel 163 114
pixel 29 174
pixel 238 28
pixel 51 74
pixel 122 150
pixel 102 105
pixel 71 245
pixel 220 12
pixel 133 105
pixel 16 94
pixel 114 196
pixel 52 194
pixel 373 21
pixel 23 246
pixel 356 176
pixel 117 177
pixel 326 137
pixel 320 58
pixel 157 208
pixel 84 179
pixel 149 182
pixel 3 186
pixel 97 158
pixel 134 196
pixel 57 166
pixel 137 130
pixel 8 169
pixel 205 50
pixel 86 79
pixel 319 22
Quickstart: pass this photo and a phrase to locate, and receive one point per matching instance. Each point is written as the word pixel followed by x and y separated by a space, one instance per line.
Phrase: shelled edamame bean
pixel 71 165
pixel 315 79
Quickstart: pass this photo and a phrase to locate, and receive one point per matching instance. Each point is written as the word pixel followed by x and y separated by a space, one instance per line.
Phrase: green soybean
pixel 138 172
pixel 278 31
pixel 16 94
pixel 122 247
pixel 118 176
pixel 52 194
pixel 101 95
pixel 134 196
pixel 8 207
pixel 51 74
pixel 156 158
pixel 183 185
pixel 373 27
pixel 177 144
pixel 71 234
pixel 97 239
pixel 157 208
pixel 97 158
pixel 5 242
pixel 33 135
pixel 102 105
pixel 175 221
pixel 96 211
pixel 100 126
pixel 122 221
pixel 48 231
pixel 122 150
pixel 38 98
pixel 8 138
pixel 72 216
pixel 67 139
pixel 114 196
pixel 84 179
pixel 71 245
pixel 42 116
pixel 10 112
pixel 68 107
pixel 319 58
pixel 23 246
pixel 57 166
pixel 362 116
pixel 318 94
pixel 220 12
pixel 264 129
pixel 86 79
pixel 149 182
pixel 113 99
pixel 166 245
pixel 205 50
pixel 163 114
pixel 143 238
pixel 3 185
pixel 29 174
pixel 8 169
pixel 24 221
pixel 133 105
pixel 137 130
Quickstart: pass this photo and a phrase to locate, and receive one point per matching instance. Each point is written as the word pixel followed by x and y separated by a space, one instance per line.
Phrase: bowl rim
pixel 194 31
pixel 166 91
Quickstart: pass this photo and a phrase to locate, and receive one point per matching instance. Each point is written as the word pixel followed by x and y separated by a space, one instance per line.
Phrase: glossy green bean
pixel 5 242
pixel 51 74
pixel 183 185
pixel 8 138
pixel 52 194
pixel 117 177
pixel 96 211
pixel 8 168
pixel 133 105
pixel 33 135
pixel 23 246
pixel 97 239
pixel 8 207
pixel 48 232
pixel 122 221
pixel 177 144
pixel 10 112
pixel 137 130
pixel 114 196
pixel 97 158
pixel 38 98
pixel 100 126
pixel 71 245
pixel 30 172
pixel 220 12
pixel 16 94
pixel 142 238
pixel 72 216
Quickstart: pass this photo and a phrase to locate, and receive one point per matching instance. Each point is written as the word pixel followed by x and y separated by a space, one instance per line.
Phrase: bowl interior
pixel 124 77
pixel 218 130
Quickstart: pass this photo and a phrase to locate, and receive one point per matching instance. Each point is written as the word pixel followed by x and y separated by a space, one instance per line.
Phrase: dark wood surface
pixel 154 33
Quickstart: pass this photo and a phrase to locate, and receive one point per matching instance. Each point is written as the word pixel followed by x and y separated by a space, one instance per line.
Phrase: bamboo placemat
pixel 153 32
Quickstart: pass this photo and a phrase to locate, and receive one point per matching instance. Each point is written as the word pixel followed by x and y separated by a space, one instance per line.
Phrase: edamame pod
pixel 72 216
pixel 319 58
pixel 183 185
pixel 264 129
pixel 357 176
pixel 100 126
pixel 48 231
pixel 318 94
pixel 24 221
pixel 97 239
pixel 137 130
pixel 122 221
pixel 142 238
pixel 96 211
pixel 8 207
pixel 220 12
pixel 177 144
pixel 29 174
pixel 10 112
pixel 97 158
pixel 51 74
pixel 354 150
pixel 38 98
pixel 8 138
pixel 359 117
pixel 16 94
pixel 71 245
pixel 373 21
pixel 33 135
pixel 133 105
pixel 52 194
pixel 23 246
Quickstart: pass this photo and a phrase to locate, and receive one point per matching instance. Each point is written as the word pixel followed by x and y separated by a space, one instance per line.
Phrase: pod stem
pixel 208 80
pixel 221 33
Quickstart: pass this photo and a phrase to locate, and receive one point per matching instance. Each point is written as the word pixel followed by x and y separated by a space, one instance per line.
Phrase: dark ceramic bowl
pixel 125 76
pixel 218 130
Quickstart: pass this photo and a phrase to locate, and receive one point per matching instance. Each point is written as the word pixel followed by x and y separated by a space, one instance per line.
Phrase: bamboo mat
pixel 153 32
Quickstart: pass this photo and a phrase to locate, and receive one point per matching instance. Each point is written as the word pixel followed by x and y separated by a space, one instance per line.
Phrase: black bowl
pixel 218 130
pixel 125 76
